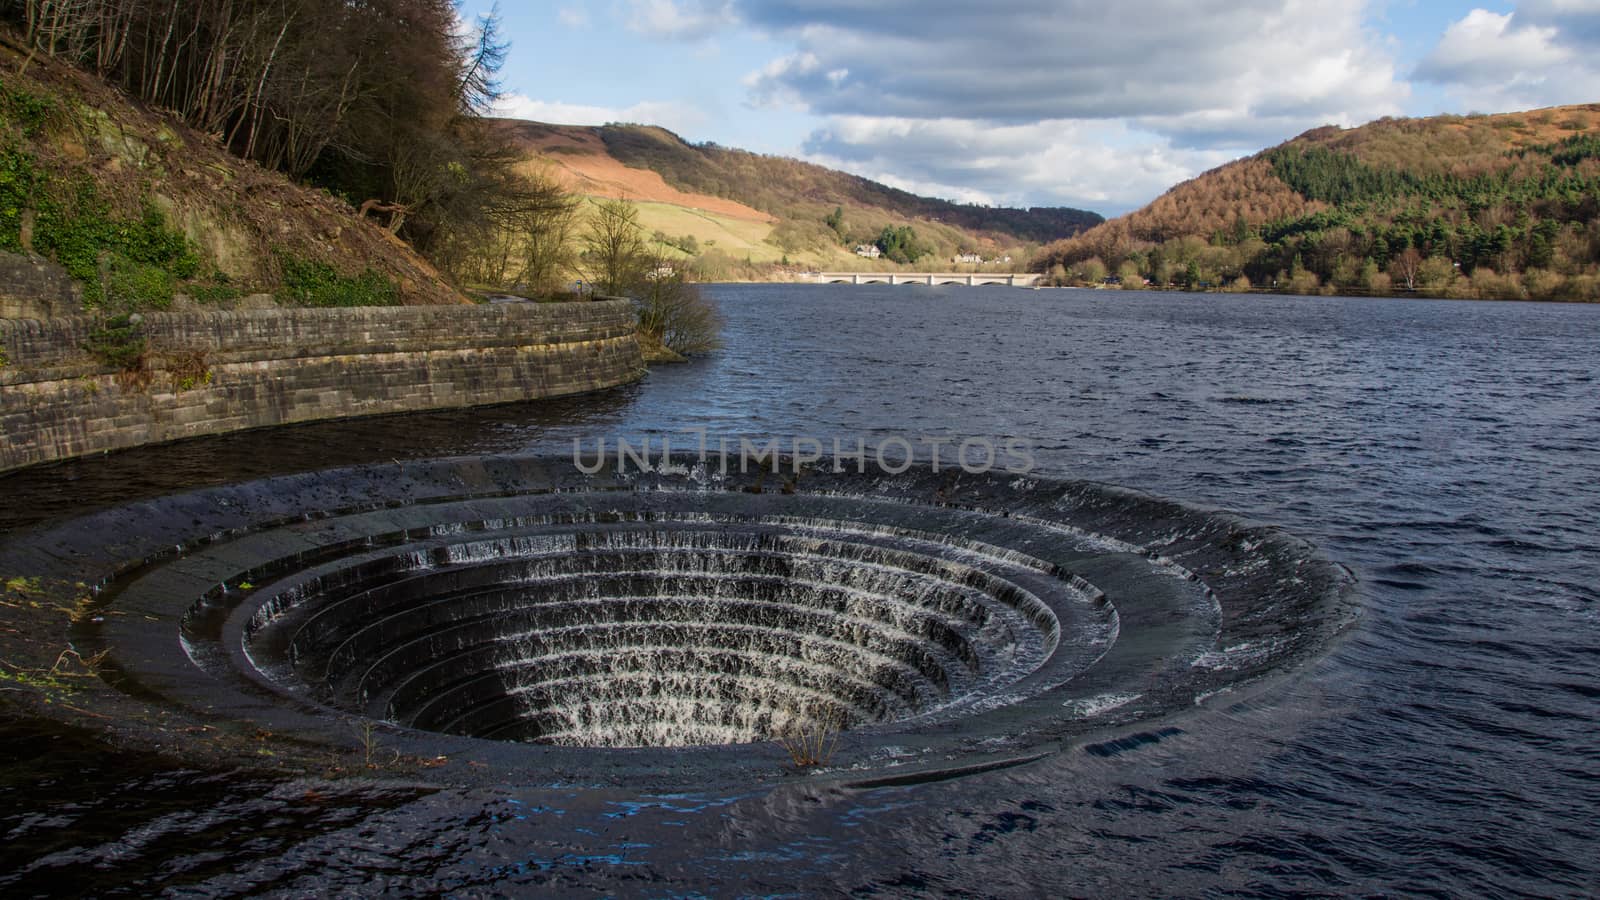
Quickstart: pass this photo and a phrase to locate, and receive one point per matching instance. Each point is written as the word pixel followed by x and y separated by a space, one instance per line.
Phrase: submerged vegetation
pixel 1502 207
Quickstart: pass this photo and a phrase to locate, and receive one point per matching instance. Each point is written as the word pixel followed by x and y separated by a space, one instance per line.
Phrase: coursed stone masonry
pixel 213 372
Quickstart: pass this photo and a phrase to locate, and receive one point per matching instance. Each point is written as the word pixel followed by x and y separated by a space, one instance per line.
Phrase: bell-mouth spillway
pixel 544 623
pixel 659 629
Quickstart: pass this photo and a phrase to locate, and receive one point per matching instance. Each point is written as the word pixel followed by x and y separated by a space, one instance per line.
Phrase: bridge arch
pixel 1011 279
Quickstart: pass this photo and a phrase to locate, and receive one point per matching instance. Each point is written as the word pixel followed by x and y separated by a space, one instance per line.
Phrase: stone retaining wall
pixel 207 373
pixel 33 287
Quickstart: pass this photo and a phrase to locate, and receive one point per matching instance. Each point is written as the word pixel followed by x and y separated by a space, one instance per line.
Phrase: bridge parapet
pixel 970 279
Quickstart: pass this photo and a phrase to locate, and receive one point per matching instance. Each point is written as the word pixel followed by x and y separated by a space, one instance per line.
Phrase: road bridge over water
pixel 1013 279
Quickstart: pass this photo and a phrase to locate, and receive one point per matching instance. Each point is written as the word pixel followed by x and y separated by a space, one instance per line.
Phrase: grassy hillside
pixel 745 208
pixel 1504 206
pixel 785 187
pixel 147 212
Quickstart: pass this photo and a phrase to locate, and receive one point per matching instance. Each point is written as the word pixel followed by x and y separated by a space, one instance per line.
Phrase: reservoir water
pixel 1445 451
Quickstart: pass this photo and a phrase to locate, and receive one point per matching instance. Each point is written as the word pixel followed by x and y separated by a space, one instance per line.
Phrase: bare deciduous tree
pixel 614 247
pixel 1406 267
pixel 378 99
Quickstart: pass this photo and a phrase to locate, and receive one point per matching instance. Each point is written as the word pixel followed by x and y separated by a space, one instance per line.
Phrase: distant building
pixel 969 258
pixel 870 251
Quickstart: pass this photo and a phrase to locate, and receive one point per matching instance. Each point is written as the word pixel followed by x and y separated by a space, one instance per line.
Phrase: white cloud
pixel 769 85
pixel 1074 102
pixel 678 19
pixel 1106 166
pixel 573 17
pixel 1541 54
pixel 1089 103
pixel 675 116
pixel 1202 72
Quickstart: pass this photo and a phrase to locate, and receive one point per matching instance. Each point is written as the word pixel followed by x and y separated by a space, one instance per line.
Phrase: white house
pixel 870 251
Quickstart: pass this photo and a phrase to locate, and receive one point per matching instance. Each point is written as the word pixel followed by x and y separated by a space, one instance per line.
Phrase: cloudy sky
pixel 1101 104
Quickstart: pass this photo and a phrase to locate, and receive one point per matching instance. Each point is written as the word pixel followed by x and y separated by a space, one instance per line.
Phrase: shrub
pixel 1435 275
pixel 1489 285
pixel 131 286
pixel 74 226
pixel 118 342
pixel 77 229
pixel 27 112
pixel 1303 281
pixel 677 315
pixel 213 292
pixel 20 183
pixel 1542 284
pixel 1582 287
pixel 310 283
pixel 149 240
pixel 188 369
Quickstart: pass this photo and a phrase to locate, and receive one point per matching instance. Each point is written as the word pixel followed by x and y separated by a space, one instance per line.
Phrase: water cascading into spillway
pixel 666 632
pixel 518 603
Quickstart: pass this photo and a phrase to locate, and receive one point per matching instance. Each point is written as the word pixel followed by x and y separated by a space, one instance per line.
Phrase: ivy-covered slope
pixel 146 213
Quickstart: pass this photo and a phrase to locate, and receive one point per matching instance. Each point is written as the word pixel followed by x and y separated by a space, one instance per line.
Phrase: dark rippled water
pixel 1448 452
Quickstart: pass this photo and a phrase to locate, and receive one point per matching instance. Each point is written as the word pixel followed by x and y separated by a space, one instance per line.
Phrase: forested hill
pixel 784 187
pixel 1503 206
pixel 145 211
pixel 325 152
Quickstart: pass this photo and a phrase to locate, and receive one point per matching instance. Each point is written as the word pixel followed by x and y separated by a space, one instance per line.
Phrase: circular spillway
pixel 666 629
pixel 533 618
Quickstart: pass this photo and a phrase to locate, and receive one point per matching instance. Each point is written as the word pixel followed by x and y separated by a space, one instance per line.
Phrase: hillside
pixel 1503 206
pixel 768 208
pixel 778 184
pixel 580 156
pixel 147 213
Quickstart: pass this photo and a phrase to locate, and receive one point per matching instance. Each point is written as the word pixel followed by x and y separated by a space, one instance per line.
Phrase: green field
pixel 739 238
